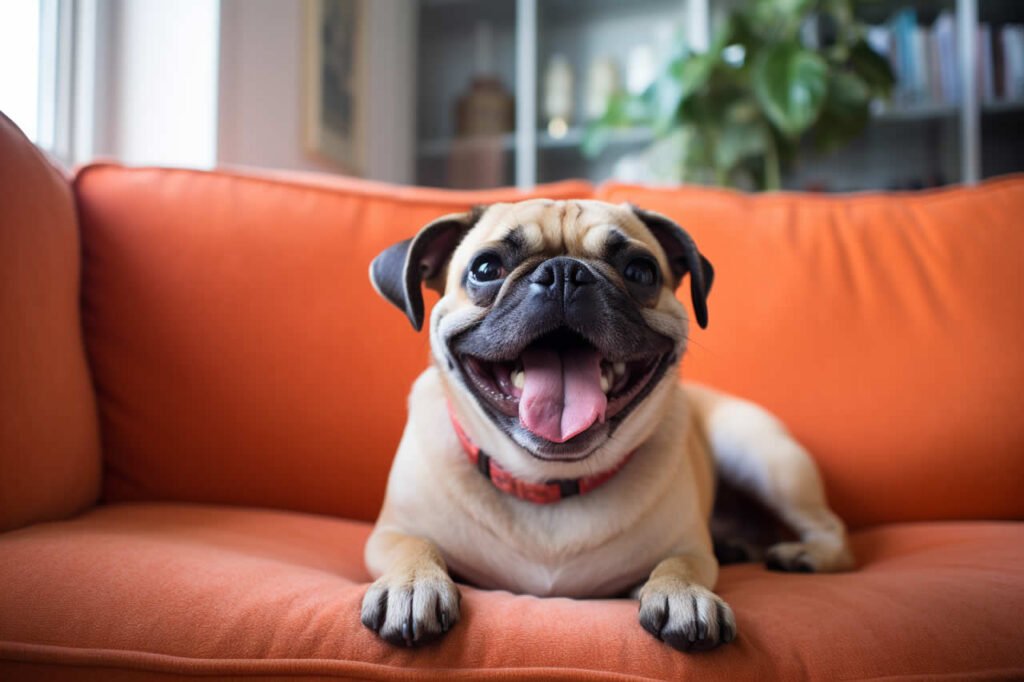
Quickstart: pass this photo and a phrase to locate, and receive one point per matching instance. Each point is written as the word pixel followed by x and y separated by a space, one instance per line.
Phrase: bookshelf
pixel 939 128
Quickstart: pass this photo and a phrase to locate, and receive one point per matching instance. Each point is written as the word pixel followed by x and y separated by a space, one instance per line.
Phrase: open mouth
pixel 560 386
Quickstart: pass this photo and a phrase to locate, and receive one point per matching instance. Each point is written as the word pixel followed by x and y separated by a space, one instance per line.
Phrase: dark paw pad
pixel 692 620
pixel 732 552
pixel 788 562
pixel 413 616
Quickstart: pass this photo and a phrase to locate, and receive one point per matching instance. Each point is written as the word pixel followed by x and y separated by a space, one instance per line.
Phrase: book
pixel 921 87
pixel 1013 61
pixel 945 43
pixel 986 84
pixel 998 63
pixel 902 25
pixel 925 60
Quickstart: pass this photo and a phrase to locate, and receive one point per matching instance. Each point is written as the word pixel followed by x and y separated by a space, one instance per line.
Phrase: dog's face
pixel 559 318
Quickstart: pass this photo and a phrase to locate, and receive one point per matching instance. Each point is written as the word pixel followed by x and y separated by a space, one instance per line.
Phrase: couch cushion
pixel 885 329
pixel 239 351
pixel 49 440
pixel 230 591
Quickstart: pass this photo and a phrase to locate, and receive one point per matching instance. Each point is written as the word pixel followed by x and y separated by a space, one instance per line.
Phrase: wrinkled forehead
pixel 580 228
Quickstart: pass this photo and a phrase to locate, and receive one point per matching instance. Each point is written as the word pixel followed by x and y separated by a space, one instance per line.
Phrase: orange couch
pixel 200 395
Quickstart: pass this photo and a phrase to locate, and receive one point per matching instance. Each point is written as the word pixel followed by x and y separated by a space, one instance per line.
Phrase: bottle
pixel 486 108
pixel 558 95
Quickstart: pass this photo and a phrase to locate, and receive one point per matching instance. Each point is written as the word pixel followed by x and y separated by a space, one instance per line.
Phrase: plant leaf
pixel 847 93
pixel 777 20
pixel 845 112
pixel 684 77
pixel 873 68
pixel 790 83
pixel 595 139
pixel 738 141
pixel 726 34
pixel 623 111
pixel 784 8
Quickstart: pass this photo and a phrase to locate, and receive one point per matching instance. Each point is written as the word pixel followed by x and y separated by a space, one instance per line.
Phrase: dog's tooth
pixel 518 378
pixel 619 368
pixel 606 384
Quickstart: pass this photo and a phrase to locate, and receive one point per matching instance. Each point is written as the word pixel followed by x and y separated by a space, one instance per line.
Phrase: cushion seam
pixel 125 659
pixel 607 190
pixel 297 184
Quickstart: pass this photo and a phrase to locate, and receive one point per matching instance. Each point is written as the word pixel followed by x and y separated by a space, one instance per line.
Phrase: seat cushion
pixel 151 590
pixel 239 352
pixel 49 436
pixel 883 329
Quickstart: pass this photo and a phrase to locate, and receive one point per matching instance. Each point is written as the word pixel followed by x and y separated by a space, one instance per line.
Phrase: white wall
pixel 203 83
pixel 165 82
pixel 19 45
pixel 390 115
pixel 262 87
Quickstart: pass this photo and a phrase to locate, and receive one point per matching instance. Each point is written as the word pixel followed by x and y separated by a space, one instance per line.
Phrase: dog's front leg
pixel 678 607
pixel 414 600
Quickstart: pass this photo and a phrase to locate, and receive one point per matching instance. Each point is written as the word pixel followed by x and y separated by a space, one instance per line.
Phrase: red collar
pixel 538 493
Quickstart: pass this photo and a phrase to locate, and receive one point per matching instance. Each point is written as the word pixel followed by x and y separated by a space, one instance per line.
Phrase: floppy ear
pixel 400 270
pixel 683 257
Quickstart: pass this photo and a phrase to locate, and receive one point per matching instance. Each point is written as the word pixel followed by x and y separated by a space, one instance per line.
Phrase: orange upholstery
pixel 885 330
pixel 274 593
pixel 49 441
pixel 239 357
pixel 289 374
pixel 239 352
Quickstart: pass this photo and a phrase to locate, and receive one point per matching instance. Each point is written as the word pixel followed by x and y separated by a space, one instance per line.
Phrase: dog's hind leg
pixel 755 454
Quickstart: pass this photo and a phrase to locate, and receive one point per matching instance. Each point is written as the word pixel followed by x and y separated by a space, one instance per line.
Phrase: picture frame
pixel 334 77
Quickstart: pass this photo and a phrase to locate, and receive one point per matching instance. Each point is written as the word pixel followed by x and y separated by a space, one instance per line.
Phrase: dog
pixel 550 448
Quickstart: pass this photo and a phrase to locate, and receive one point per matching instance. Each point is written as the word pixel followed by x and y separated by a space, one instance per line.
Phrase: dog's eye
pixel 486 268
pixel 641 271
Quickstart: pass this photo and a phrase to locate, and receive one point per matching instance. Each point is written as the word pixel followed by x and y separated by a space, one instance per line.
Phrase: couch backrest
pixel 887 331
pixel 49 438
pixel 241 356
pixel 239 351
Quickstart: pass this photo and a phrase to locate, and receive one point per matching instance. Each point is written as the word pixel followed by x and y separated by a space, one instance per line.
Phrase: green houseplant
pixel 776 73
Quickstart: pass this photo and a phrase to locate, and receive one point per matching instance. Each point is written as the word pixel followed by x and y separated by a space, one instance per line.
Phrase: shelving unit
pixel 571 140
pixel 953 139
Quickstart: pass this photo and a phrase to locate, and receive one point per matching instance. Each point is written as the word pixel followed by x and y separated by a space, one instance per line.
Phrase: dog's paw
pixel 685 616
pixel 733 551
pixel 808 557
pixel 411 608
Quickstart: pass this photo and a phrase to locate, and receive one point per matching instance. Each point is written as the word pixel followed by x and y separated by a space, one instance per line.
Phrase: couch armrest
pixel 49 438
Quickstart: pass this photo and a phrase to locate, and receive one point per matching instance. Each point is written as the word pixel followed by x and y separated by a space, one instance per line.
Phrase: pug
pixel 550 448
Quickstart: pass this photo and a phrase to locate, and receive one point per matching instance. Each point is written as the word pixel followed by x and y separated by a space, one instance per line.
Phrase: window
pixel 19 52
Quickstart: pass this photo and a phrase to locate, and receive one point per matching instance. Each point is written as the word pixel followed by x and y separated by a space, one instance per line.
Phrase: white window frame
pixel 67 78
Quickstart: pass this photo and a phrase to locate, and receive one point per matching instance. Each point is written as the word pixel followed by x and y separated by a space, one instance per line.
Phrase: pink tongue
pixel 562 396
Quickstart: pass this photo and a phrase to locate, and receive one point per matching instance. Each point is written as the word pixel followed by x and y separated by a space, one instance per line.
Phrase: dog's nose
pixel 561 276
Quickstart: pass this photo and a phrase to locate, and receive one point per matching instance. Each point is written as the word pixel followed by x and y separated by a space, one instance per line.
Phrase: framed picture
pixel 334 77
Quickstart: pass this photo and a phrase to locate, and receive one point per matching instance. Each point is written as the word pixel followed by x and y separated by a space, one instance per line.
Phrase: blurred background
pixel 821 95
